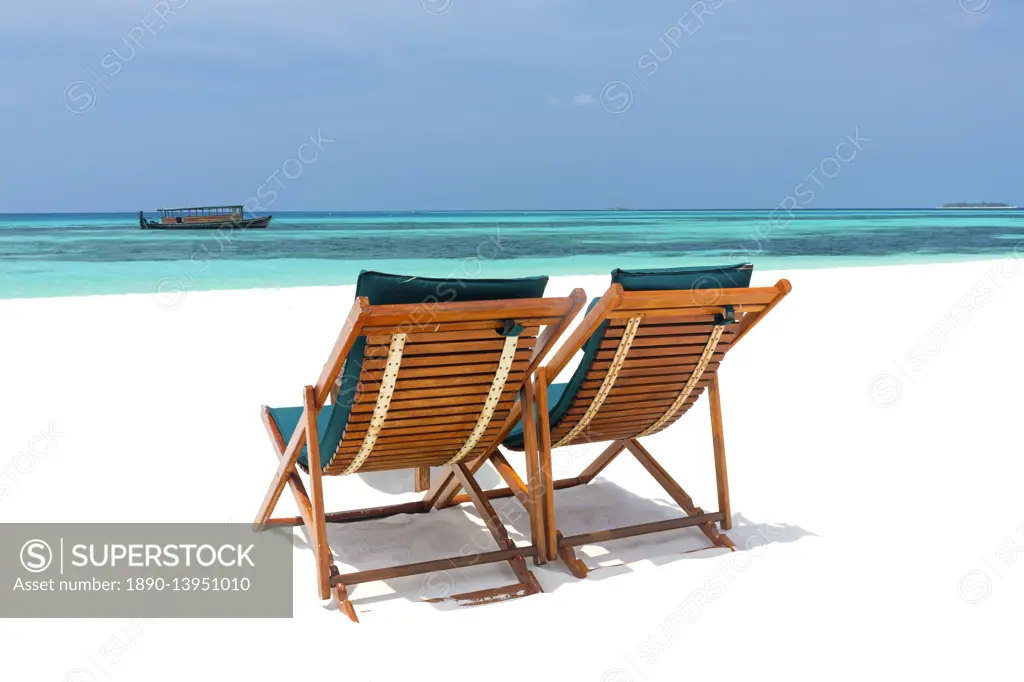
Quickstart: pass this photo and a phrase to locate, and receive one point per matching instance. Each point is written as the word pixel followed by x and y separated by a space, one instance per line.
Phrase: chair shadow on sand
pixel 458 531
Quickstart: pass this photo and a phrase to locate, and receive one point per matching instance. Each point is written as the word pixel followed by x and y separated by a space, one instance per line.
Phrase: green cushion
pixel 385 289
pixel 287 418
pixel 673 279
pixel 733 276
pixel 515 437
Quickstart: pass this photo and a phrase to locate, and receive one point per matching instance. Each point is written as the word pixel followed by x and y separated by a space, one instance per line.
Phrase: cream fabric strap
pixel 508 356
pixel 380 410
pixel 698 371
pixel 609 380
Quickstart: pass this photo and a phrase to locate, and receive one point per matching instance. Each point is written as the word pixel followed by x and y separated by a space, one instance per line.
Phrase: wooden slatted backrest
pixel 659 350
pixel 437 380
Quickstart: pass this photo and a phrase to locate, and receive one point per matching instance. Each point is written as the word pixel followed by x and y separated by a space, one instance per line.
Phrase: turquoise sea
pixel 92 253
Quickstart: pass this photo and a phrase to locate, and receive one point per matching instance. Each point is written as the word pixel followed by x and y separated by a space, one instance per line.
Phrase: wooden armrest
pixel 748 322
pixel 348 335
pixel 591 321
pixel 552 332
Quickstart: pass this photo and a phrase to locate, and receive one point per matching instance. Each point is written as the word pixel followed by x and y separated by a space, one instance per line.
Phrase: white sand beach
pixel 875 466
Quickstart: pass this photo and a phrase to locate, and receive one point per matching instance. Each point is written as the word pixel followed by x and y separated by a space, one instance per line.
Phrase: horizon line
pixel 564 210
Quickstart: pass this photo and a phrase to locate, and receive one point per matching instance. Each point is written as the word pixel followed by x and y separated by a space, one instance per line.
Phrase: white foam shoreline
pixel 874 460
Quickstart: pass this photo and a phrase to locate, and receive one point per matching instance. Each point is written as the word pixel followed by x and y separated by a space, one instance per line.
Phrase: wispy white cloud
pixel 583 100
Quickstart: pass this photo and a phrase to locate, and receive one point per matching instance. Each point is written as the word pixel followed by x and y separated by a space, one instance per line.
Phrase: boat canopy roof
pixel 204 209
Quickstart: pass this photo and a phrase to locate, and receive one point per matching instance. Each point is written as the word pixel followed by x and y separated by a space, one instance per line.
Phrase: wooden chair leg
pixel 546 475
pixel 603 460
pixel 318 531
pixel 445 486
pixel 497 528
pixel 530 502
pixel 519 489
pixel 676 492
pixel 718 438
pixel 511 477
pixel 272 497
pixel 341 595
pixel 422 479
pixel 533 475
pixel 569 558
pixel 547 500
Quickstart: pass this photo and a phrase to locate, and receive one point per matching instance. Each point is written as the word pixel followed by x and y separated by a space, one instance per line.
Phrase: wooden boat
pixel 202 218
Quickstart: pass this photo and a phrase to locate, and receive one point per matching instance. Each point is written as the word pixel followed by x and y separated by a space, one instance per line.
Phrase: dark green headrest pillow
pixel 668 279
pixel 384 289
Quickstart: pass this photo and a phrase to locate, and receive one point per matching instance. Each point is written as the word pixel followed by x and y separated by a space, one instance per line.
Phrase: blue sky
pixel 467 104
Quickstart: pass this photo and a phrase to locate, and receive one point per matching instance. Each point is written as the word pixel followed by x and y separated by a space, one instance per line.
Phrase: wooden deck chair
pixel 651 345
pixel 419 383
